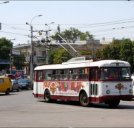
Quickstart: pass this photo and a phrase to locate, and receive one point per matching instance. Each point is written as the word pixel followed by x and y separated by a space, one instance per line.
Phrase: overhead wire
pixel 14 33
pixel 102 24
pixel 90 25
pixel 12 27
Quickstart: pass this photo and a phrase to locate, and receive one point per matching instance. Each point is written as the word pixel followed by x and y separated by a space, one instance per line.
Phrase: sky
pixel 103 19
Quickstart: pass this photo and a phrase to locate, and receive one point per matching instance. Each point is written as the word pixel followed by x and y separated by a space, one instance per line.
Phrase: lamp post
pixel 32 50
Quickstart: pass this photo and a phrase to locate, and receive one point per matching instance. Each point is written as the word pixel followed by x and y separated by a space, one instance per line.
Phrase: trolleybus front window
pixel 115 73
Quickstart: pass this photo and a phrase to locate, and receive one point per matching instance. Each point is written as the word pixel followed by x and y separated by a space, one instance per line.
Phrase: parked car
pixel 15 85
pixel 5 85
pixel 25 83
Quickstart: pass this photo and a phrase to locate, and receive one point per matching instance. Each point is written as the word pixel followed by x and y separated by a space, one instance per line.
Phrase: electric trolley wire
pixel 113 29
pixel 92 26
pixel 16 28
pixel 14 33
pixel 81 25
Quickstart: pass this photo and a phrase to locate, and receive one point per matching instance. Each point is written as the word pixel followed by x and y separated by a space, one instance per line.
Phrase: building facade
pixel 40 50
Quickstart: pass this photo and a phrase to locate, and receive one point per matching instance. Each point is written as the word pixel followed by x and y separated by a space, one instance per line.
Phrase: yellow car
pixel 5 85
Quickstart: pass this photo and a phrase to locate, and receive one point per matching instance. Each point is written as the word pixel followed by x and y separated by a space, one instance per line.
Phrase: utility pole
pixel 47 57
pixel 46 41
pixel 10 61
pixel 32 48
pixel 10 55
pixel 31 57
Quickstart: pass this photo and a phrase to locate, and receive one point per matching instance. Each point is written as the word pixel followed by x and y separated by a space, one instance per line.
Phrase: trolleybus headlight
pixel 107 91
pixel 130 91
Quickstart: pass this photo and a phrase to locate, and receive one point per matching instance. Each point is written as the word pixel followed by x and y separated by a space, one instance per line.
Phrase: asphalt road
pixel 21 109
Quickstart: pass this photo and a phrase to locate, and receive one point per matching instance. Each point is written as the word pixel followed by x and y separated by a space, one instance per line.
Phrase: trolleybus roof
pixel 85 63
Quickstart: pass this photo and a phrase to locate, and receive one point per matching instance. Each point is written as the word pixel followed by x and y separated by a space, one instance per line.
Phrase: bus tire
pixel 83 99
pixel 113 103
pixel 47 96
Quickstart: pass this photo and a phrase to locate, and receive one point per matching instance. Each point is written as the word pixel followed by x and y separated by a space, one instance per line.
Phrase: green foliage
pixel 59 56
pixel 5 47
pixel 5 51
pixel 118 49
pixel 73 34
pixel 85 52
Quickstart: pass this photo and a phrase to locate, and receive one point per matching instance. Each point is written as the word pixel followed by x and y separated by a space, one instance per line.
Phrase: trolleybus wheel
pixel 47 96
pixel 84 101
pixel 113 103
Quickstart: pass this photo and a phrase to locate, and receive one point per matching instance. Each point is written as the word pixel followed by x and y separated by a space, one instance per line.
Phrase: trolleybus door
pixel 93 78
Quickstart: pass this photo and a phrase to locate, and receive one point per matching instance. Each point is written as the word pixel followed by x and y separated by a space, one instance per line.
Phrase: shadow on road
pixel 8 95
pixel 93 105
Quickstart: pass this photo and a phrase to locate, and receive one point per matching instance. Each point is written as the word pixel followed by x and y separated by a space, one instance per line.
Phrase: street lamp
pixel 32 50
pixel 49 24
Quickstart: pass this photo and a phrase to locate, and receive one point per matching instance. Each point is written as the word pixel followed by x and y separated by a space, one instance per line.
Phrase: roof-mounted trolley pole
pixel 77 54
pixel 65 48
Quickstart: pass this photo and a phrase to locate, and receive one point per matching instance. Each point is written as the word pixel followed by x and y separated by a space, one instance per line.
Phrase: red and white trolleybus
pixel 104 81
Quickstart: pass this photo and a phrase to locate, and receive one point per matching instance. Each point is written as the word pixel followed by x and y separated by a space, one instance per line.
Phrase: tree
pixel 118 49
pixel 126 51
pixel 85 52
pixel 5 47
pixel 73 34
pixel 59 56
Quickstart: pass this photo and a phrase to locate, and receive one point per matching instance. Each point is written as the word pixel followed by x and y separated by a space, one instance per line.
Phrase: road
pixel 21 109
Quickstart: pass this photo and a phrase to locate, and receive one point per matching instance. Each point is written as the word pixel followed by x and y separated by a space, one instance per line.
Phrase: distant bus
pixel 104 81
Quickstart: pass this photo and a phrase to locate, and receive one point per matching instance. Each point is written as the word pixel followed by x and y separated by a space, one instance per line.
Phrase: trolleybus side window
pixel 71 74
pixel 40 75
pixel 48 74
pixel 66 74
pixel 83 73
pixel 75 74
pixel 57 75
pixel 53 74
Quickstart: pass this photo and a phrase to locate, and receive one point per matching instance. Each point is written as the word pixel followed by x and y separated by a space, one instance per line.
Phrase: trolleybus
pixel 103 81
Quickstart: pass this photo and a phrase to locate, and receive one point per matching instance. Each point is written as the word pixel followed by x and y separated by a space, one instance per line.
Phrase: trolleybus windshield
pixel 114 73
